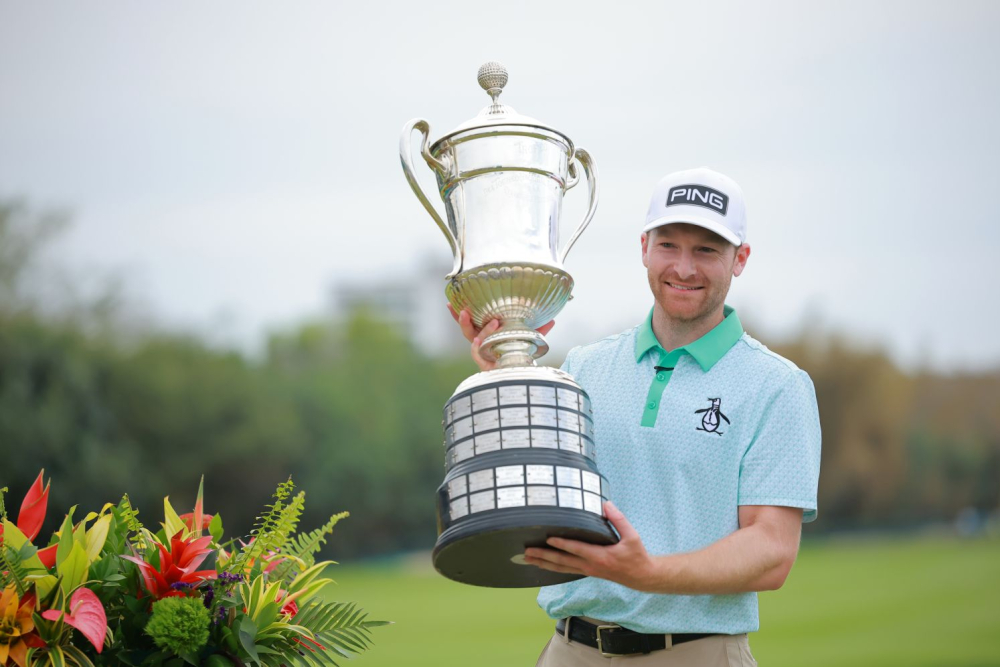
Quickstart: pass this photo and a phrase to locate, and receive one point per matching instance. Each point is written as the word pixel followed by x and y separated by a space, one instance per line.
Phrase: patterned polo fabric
pixel 734 424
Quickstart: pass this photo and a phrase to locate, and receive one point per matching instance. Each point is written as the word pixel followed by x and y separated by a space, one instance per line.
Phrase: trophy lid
pixel 492 78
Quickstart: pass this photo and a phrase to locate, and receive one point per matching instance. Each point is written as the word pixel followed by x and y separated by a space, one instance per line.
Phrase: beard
pixel 689 308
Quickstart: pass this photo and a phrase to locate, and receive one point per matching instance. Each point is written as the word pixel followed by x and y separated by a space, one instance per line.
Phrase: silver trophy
pixel 520 458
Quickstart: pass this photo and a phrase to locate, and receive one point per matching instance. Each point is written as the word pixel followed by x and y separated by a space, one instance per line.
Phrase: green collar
pixel 707 350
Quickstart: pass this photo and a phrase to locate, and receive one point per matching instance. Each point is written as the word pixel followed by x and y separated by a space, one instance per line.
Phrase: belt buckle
pixel 600 647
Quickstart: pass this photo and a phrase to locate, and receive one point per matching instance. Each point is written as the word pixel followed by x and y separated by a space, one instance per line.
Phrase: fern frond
pixel 272 528
pixel 3 508
pixel 11 569
pixel 304 547
pixel 136 532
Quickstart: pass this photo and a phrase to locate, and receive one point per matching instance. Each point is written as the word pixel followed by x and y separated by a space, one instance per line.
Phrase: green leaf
pixel 15 539
pixel 172 522
pixel 248 633
pixel 215 527
pixel 43 584
pixel 73 569
pixel 75 655
pixel 65 537
pixel 57 657
pixel 96 536
pixel 228 640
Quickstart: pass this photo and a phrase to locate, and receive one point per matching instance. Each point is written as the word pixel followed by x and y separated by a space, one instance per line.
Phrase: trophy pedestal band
pixel 488 551
pixel 520 469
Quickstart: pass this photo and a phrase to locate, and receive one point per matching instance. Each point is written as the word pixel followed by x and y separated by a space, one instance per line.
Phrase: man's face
pixel 690 269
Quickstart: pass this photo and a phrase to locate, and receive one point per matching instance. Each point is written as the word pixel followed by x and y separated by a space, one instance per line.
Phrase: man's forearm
pixel 750 559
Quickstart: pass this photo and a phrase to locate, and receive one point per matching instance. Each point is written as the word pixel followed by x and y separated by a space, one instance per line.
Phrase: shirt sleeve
pixel 781 465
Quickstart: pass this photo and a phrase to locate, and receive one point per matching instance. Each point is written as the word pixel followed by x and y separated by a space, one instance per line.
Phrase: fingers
pixel 545 328
pixel 574 547
pixel 464 320
pixel 554 560
pixel 619 521
pixel 490 329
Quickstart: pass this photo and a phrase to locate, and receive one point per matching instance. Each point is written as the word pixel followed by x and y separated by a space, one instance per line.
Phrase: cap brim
pixel 710 225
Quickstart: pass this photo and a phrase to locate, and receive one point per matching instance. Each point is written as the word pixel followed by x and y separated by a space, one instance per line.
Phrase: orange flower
pixel 16 627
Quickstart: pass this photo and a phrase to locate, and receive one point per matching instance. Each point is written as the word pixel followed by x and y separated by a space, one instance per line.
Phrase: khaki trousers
pixel 720 650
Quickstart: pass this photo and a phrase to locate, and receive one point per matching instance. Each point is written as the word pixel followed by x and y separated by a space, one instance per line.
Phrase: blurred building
pixel 415 304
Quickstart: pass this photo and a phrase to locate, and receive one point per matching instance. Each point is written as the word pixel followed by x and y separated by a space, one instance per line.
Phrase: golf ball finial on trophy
pixel 519 441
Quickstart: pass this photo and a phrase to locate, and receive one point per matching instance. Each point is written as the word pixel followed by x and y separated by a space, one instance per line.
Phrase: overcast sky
pixel 233 160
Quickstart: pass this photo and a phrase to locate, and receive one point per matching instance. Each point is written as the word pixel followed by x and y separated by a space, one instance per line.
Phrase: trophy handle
pixel 404 157
pixel 590 169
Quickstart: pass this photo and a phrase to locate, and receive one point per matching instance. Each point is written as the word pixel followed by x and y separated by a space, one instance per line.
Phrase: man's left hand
pixel 626 563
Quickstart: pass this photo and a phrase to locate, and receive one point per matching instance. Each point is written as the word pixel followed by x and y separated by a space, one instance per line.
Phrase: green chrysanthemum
pixel 179 624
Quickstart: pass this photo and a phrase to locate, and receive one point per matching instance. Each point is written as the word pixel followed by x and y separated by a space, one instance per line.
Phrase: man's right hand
pixel 477 336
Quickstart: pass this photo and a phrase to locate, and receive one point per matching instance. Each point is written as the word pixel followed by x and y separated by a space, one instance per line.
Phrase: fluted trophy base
pixel 521 296
pixel 520 469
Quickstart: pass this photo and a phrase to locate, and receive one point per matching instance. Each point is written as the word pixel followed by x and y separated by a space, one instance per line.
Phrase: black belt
pixel 613 640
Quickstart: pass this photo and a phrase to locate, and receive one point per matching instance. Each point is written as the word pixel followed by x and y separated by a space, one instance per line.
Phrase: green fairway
pixel 913 602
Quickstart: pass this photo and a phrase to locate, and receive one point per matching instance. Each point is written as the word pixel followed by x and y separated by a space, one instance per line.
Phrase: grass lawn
pixel 894 601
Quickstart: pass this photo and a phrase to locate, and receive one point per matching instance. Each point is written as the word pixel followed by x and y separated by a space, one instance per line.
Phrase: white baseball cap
pixel 700 197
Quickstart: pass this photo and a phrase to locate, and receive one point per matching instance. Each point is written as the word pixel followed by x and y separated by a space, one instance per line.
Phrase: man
pixel 710 443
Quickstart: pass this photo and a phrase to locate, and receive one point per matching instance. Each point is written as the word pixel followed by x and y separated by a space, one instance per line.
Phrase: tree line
pixel 352 411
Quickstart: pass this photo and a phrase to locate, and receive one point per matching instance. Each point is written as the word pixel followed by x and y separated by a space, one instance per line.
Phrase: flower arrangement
pixel 106 590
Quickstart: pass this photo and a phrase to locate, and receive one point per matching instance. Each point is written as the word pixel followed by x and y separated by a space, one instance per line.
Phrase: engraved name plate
pixel 457 487
pixel 543 395
pixel 570 498
pixel 481 501
pixel 541 495
pixel 462 428
pixel 462 451
pixel 543 417
pixel 488 442
pixel 484 399
pixel 513 395
pixel 566 476
pixel 544 438
pixel 569 399
pixel 459 508
pixel 510 475
pixel 514 417
pixel 485 421
pixel 481 479
pixel 518 437
pixel 540 474
pixel 462 407
pixel 510 497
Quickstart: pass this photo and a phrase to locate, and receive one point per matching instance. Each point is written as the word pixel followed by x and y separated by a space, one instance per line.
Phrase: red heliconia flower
pixel 289 609
pixel 32 514
pixel 48 556
pixel 188 520
pixel 177 566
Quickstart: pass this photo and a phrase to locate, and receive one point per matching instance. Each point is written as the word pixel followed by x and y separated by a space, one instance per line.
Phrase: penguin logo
pixel 710 420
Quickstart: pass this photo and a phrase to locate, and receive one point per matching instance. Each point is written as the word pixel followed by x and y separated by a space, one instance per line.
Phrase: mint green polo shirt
pixel 685 437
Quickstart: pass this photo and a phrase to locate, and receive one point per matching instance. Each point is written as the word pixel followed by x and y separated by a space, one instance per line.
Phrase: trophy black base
pixel 489 550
